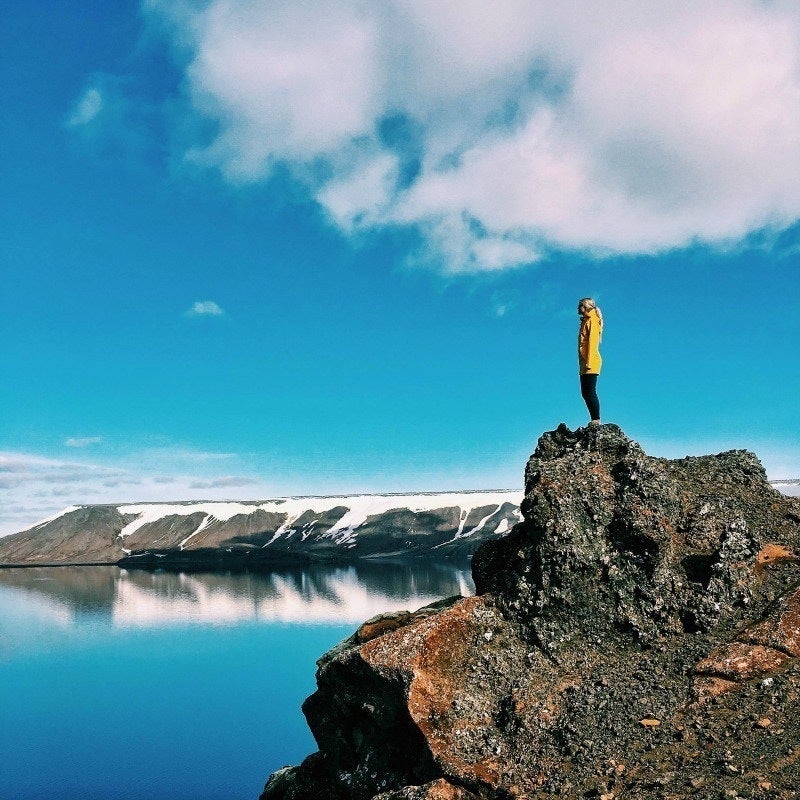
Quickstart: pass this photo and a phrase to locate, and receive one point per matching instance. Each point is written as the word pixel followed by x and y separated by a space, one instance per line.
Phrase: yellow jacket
pixel 589 335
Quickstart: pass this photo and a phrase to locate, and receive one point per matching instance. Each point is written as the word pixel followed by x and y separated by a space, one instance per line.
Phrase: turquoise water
pixel 127 684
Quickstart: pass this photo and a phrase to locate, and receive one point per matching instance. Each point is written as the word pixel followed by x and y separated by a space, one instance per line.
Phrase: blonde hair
pixel 589 304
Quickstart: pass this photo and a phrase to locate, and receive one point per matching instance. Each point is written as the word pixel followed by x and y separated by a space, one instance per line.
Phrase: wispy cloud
pixel 501 130
pixel 112 116
pixel 205 308
pixel 221 483
pixel 181 457
pixel 88 106
pixel 82 441
pixel 34 487
pixel 502 305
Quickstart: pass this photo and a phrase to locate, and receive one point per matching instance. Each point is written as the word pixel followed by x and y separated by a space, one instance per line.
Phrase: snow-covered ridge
pixel 360 508
pixel 295 528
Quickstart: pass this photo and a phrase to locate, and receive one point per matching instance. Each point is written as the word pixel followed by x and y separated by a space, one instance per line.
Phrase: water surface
pixel 120 684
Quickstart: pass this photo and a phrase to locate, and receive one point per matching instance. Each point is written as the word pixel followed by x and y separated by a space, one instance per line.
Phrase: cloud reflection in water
pixel 310 595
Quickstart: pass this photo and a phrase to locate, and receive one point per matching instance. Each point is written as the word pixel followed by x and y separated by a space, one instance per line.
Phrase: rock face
pixel 635 636
pixel 285 530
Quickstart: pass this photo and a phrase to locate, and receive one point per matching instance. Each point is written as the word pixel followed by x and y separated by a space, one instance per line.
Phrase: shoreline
pixel 242 564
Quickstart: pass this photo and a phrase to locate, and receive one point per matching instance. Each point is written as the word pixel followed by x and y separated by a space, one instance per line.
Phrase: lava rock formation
pixel 637 635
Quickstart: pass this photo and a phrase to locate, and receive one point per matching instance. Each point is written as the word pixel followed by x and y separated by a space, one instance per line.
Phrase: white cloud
pixel 363 196
pixel 616 128
pixel 275 76
pixel 33 487
pixel 88 106
pixel 82 441
pixel 205 308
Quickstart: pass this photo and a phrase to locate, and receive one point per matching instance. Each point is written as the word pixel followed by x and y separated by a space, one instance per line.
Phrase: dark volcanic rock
pixel 636 636
pixel 617 541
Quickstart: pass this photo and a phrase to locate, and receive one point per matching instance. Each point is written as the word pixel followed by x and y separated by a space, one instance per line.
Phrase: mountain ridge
pixel 253 532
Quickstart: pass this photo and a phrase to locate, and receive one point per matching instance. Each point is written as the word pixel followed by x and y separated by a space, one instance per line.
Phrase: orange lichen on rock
pixel 708 686
pixel 435 790
pixel 738 661
pixel 381 624
pixel 775 554
pixel 780 629
pixel 435 653
pixel 489 770
pixel 761 648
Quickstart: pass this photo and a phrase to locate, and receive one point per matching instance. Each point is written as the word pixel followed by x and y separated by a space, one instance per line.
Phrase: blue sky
pixel 253 249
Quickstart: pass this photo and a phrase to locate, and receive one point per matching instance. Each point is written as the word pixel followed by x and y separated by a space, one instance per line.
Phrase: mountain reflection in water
pixel 127 684
pixel 315 594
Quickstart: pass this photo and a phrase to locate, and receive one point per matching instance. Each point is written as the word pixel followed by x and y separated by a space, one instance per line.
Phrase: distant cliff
pixel 636 636
pixel 288 530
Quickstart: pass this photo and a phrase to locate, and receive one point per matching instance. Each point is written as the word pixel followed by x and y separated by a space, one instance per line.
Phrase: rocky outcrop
pixel 293 530
pixel 635 636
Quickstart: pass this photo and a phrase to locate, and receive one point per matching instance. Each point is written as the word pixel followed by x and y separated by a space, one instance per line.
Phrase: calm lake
pixel 139 685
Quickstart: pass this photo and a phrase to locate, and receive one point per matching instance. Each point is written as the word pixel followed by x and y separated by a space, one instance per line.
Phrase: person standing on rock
pixel 589 361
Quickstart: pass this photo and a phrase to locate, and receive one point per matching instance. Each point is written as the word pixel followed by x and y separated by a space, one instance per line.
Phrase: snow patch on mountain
pixel 52 517
pixel 344 532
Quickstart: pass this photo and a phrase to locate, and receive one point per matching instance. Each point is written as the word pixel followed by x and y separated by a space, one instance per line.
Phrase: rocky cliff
pixel 637 635
pixel 285 530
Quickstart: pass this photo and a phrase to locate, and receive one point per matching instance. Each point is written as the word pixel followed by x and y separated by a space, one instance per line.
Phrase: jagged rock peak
pixel 618 542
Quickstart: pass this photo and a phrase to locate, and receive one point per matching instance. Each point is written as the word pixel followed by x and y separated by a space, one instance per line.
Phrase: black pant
pixel 589 394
